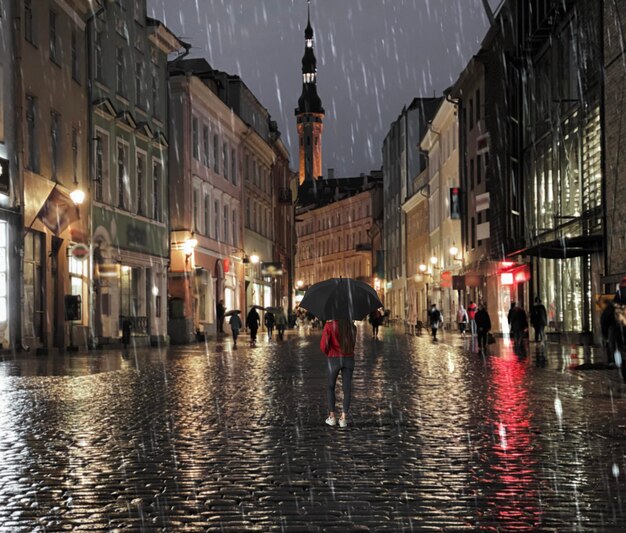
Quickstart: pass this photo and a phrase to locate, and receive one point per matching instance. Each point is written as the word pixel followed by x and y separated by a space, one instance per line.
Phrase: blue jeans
pixel 473 326
pixel 346 365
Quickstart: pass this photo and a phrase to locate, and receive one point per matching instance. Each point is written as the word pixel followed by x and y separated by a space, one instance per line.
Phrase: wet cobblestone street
pixel 207 438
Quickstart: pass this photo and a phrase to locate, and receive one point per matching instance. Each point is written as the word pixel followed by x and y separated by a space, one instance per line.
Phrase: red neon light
pixel 521 277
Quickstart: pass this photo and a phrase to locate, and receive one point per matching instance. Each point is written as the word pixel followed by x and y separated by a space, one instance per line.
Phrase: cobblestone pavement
pixel 207 438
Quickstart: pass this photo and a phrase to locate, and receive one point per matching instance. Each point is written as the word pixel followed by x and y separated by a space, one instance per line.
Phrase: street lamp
pixel 434 260
pixel 254 259
pixel 423 267
pixel 453 250
pixel 77 195
pixel 299 283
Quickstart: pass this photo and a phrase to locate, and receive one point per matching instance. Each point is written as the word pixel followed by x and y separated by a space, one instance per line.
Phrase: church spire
pixel 309 113
pixel 309 101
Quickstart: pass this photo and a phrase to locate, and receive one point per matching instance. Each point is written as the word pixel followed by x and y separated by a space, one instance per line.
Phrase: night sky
pixel 374 57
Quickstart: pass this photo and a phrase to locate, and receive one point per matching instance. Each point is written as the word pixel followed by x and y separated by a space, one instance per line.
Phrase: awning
pixel 564 248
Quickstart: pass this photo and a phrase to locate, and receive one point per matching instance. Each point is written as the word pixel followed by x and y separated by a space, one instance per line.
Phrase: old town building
pixel 334 223
pixel 52 125
pixel 444 208
pixel 205 201
pixel 130 207
pixel 402 162
pixel 11 224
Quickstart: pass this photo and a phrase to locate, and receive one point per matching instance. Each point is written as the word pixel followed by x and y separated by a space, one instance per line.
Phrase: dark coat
pixel 269 320
pixel 483 321
pixel 539 316
pixel 517 319
pixel 253 320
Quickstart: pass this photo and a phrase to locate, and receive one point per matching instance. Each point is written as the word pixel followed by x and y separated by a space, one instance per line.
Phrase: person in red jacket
pixel 338 339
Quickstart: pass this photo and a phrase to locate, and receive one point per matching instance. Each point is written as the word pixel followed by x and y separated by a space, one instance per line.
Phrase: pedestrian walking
pixel 483 327
pixel 375 319
pixel 338 340
pixel 539 319
pixel 235 326
pixel 281 324
pixel 221 313
pixel 462 319
pixel 435 321
pixel 471 315
pixel 252 323
pixel 518 323
pixel 269 324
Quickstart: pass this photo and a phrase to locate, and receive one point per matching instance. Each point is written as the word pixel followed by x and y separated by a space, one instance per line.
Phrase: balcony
pixel 284 196
pixel 364 247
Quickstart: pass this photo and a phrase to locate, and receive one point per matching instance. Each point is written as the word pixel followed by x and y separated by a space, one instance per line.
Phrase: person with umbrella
pixel 269 324
pixel 252 323
pixel 235 325
pixel 338 340
pixel 340 301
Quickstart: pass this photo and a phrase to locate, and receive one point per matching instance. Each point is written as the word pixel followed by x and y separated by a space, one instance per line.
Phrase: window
pixel 122 175
pixel 248 213
pixel 101 164
pixel 471 114
pixel 233 162
pixel 156 186
pixel 226 223
pixel 207 215
pixel 473 228
pixel 471 173
pixel 234 228
pixel 54 38
pixel 477 105
pixel 75 64
pixel 98 56
pixel 205 146
pixel 195 144
pixel 79 276
pixel 138 77
pixel 55 140
pixel 479 170
pixel 216 154
pixel 75 153
pixel 29 26
pixel 246 165
pixel 139 11
pixel 225 160
pixel 141 187
pixel 32 163
pixel 216 214
pixel 155 96
pixel 119 70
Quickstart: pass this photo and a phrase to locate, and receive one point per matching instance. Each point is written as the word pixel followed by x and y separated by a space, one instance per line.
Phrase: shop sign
pixel 272 269
pixel 79 251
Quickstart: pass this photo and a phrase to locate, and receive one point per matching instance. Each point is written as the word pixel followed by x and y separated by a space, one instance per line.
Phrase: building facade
pixel 52 131
pixel 334 231
pixel 11 222
pixel 205 191
pixel 130 207
pixel 402 162
pixel 614 142
pixel 562 159
pixel 440 142
pixel 417 250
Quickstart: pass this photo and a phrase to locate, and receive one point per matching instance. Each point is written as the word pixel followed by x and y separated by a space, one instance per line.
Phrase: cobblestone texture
pixel 206 438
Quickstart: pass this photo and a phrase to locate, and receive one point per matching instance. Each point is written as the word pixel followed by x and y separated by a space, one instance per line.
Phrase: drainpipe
pixel 17 329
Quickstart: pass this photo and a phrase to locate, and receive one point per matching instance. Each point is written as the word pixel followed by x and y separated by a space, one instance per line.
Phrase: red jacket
pixel 471 311
pixel 330 340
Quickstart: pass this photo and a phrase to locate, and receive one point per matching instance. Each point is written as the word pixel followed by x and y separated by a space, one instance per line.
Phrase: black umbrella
pixel 232 312
pixel 340 298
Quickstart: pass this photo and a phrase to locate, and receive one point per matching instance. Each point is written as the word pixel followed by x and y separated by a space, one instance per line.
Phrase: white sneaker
pixel 331 421
pixel 343 422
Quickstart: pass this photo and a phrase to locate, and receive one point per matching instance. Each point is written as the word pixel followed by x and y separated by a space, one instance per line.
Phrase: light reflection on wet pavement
pixel 204 438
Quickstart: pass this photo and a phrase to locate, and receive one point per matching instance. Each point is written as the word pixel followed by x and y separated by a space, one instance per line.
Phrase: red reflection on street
pixel 512 488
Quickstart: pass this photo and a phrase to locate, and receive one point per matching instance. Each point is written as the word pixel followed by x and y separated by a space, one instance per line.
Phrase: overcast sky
pixel 373 57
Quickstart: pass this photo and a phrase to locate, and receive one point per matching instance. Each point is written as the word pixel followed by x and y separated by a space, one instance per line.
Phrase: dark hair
pixel 347 338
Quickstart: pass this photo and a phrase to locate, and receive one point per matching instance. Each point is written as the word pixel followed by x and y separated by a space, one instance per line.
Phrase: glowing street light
pixel 422 267
pixel 299 283
pixel 189 245
pixel 77 196
pixel 254 259
pixel 434 260
pixel 453 250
